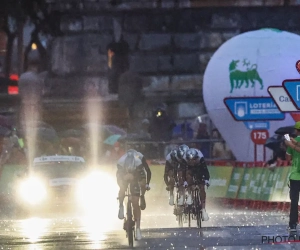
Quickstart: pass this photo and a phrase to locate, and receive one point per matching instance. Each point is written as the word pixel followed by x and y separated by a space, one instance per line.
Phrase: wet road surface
pixel 226 229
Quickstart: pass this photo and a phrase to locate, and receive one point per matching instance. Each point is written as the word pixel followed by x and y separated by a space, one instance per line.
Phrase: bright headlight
pixel 32 190
pixel 96 188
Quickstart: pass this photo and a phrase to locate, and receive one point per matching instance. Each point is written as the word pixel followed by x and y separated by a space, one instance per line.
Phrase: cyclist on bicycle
pixel 181 172
pixel 169 175
pixel 197 174
pixel 134 170
pixel 173 172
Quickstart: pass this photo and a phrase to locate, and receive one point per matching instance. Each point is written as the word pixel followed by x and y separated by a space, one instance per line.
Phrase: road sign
pixel 282 99
pixel 295 116
pixel 259 137
pixel 257 125
pixel 292 88
pixel 253 108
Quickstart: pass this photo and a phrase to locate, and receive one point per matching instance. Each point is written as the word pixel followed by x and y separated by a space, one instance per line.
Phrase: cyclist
pixel 197 173
pixel 134 170
pixel 169 175
pixel 181 172
pixel 174 165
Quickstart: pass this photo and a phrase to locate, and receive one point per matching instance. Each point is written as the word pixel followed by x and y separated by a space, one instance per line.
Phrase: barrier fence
pixel 238 185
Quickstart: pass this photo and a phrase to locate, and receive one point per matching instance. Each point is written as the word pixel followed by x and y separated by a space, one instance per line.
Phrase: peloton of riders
pixel 184 168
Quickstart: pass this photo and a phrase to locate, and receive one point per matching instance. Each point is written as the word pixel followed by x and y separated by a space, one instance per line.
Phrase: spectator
pixel 144 131
pixel 202 134
pixel 220 149
pixel 161 125
pixel 161 129
pixel 279 154
pixel 113 154
pixel 118 63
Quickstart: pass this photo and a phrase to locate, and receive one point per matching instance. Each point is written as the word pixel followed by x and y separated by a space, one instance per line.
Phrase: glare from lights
pixel 97 196
pixel 33 46
pixel 32 190
pixel 34 228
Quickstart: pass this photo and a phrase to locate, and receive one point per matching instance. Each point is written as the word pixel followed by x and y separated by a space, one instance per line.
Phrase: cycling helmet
pixel 173 155
pixel 192 157
pixel 181 151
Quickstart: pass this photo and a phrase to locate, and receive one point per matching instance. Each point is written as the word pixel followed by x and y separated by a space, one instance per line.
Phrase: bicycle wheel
pixel 130 226
pixel 198 209
pixel 179 212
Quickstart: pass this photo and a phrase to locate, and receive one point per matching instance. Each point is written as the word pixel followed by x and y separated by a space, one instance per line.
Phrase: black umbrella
pixel 47 134
pixel 42 133
pixel 274 142
pixel 285 130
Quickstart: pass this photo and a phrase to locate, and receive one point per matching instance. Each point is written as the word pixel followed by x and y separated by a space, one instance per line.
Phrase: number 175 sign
pixel 259 136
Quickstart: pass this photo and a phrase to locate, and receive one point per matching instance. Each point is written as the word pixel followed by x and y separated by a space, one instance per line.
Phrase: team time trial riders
pixel 185 167
pixel 134 170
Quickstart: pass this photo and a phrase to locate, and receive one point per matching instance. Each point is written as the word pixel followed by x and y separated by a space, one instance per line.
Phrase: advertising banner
pixel 235 182
pixel 245 185
pixel 279 181
pixel 285 190
pixel 219 180
pixel 254 186
pixel 266 185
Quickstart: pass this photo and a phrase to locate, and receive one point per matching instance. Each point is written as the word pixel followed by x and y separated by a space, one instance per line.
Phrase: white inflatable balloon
pixel 269 56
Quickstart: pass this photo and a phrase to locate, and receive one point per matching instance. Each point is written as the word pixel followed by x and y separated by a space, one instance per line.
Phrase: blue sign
pixel 292 88
pixel 253 108
pixel 258 125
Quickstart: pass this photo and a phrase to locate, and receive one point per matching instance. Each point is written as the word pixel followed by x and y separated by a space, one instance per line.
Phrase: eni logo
pixel 239 78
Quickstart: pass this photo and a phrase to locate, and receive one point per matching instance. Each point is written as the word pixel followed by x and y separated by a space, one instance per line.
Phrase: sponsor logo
pixel 239 78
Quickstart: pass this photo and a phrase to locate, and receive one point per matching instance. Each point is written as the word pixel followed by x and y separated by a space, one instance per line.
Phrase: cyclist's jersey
pixel 183 165
pixel 200 171
pixel 139 165
pixel 170 165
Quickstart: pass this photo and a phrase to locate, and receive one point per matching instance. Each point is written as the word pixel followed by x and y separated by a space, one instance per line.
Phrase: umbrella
pixel 42 133
pixel 70 141
pixel 104 130
pixel 111 140
pixel 114 129
pixel 274 142
pixel 47 134
pixel 75 133
pixel 285 130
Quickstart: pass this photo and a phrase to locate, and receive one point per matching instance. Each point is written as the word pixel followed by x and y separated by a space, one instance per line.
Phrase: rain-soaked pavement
pixel 101 229
pixel 227 229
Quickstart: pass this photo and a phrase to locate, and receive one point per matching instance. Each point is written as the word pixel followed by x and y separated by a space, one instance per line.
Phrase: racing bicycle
pixel 129 223
pixel 190 212
pixel 197 206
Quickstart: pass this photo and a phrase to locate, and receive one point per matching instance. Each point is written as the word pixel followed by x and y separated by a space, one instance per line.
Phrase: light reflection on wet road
pixel 226 229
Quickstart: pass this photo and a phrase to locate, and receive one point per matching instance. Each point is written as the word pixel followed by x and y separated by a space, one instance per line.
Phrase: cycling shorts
pixel 134 185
